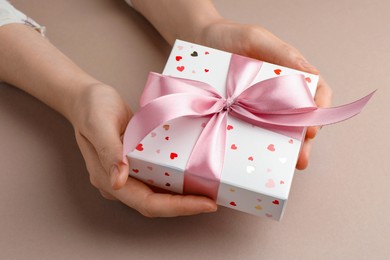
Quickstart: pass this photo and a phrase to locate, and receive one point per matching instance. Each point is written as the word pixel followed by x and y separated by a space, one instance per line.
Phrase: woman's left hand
pixel 256 42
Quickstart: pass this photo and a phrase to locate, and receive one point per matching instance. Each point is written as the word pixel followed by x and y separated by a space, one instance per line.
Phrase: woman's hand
pixel 97 113
pixel 256 42
pixel 101 117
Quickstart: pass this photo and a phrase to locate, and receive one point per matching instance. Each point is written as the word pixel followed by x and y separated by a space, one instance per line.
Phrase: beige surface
pixel 338 208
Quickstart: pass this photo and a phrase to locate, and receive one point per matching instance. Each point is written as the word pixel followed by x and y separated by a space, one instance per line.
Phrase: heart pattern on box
pixel 139 147
pixel 233 204
pixel 173 156
pixel 271 147
pixel 261 167
pixel 250 169
pixel 278 71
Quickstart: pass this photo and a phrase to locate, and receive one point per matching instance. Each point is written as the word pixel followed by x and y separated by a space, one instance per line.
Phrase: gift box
pixel 253 169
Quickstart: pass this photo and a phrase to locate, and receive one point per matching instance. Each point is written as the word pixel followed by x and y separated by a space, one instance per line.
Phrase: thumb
pixel 109 148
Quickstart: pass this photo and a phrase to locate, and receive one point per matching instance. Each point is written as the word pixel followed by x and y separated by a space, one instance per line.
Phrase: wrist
pixel 200 25
pixel 204 28
pixel 210 31
pixel 97 105
pixel 77 110
pixel 187 19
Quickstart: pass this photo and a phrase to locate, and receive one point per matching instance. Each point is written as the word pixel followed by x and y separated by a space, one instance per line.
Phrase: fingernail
pixel 211 208
pixel 114 174
pixel 308 66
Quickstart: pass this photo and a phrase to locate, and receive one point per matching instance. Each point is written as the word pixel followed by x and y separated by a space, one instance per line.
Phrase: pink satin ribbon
pixel 282 104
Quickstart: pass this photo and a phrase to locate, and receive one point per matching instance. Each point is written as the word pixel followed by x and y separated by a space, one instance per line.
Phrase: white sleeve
pixel 9 14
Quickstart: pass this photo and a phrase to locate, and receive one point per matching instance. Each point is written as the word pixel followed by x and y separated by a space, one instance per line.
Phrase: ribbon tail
pixel 327 116
pixel 319 116
pixel 204 168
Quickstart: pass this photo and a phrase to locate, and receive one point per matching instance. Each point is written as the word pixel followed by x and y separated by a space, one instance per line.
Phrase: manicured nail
pixel 114 173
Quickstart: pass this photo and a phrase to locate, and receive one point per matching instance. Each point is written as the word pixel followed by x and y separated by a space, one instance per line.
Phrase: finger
pixel 139 196
pixel 168 205
pixel 97 174
pixel 311 132
pixel 109 148
pixel 107 195
pixel 303 159
pixel 323 98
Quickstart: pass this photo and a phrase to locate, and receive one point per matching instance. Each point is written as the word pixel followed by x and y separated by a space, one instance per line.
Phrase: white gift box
pixel 259 164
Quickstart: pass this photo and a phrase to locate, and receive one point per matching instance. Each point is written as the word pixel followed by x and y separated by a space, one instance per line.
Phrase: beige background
pixel 338 208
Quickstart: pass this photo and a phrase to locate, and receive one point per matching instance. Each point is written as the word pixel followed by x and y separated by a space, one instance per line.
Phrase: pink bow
pixel 282 104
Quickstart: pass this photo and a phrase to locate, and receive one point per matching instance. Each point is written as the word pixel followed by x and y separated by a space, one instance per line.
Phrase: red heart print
pixel 277 71
pixel 180 68
pixel 166 174
pixel 178 58
pixel 206 53
pixel 206 70
pixel 139 147
pixel 229 127
pixel 203 125
pixel 234 147
pixel 135 170
pixel 290 141
pixel 281 182
pixel 173 156
pixel 276 202
pixel 308 79
pixel 166 127
pixel 233 204
pixel 271 148
pixel 167 138
pixel 250 158
pixel 167 184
